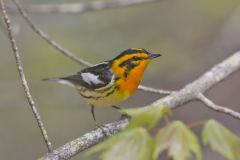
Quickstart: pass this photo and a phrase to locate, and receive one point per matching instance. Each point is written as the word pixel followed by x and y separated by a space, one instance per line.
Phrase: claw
pixel 97 125
pixel 125 116
pixel 101 126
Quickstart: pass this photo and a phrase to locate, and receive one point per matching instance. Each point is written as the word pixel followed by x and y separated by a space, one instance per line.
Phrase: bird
pixel 113 81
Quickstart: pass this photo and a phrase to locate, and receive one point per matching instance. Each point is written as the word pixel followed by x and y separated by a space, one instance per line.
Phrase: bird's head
pixel 132 61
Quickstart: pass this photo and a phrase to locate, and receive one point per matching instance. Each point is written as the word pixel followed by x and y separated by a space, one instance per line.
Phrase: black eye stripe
pixel 129 61
pixel 136 58
pixel 125 63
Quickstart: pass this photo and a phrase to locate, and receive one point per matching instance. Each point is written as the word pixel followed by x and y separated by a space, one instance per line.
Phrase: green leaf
pixel 147 116
pixel 132 144
pixel 179 141
pixel 221 140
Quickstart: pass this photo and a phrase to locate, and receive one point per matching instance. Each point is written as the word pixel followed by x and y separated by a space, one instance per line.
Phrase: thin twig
pixel 80 8
pixel 47 38
pixel 154 90
pixel 218 108
pixel 22 76
pixel 188 93
pixel 68 53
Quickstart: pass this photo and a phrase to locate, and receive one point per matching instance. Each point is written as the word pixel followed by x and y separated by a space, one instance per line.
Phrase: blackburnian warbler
pixel 112 81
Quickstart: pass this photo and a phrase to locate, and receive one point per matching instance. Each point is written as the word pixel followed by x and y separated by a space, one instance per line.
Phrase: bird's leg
pixel 123 116
pixel 92 111
pixel 94 118
pixel 96 123
pixel 116 107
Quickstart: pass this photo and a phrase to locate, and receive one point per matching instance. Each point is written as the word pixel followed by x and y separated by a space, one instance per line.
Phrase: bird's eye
pixel 135 58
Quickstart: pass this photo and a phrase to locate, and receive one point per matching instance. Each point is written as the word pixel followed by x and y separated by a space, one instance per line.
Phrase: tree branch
pixel 216 74
pixel 67 53
pixel 87 140
pixel 22 76
pixel 80 8
pixel 177 98
pixel 218 108
pixel 188 93
pixel 154 90
pixel 43 35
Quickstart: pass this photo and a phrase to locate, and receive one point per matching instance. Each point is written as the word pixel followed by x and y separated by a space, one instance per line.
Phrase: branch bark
pixel 218 108
pixel 80 8
pixel 188 93
pixel 22 76
pixel 80 144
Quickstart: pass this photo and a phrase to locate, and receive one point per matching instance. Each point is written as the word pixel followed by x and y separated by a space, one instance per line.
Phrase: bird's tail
pixel 61 80
pixel 51 79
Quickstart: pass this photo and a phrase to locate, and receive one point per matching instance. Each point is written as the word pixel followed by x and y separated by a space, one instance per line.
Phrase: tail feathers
pixel 59 80
pixel 51 79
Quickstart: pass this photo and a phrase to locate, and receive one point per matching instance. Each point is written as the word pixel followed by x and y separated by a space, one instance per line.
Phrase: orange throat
pixel 129 84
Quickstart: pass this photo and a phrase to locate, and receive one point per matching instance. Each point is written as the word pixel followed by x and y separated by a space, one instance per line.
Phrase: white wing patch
pixel 65 82
pixel 91 78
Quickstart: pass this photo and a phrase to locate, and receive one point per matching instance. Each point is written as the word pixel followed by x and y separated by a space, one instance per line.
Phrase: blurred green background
pixel 191 35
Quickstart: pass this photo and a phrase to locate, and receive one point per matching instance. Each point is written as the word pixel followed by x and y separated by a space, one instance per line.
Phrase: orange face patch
pixel 120 70
pixel 130 69
pixel 130 83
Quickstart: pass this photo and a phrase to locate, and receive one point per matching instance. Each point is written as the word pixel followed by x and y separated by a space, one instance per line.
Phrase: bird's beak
pixel 152 56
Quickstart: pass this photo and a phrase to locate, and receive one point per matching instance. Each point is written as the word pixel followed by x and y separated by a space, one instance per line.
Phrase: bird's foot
pixel 125 116
pixel 98 125
pixel 101 126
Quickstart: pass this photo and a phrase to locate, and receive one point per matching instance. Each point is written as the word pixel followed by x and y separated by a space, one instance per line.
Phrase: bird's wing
pixel 97 77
